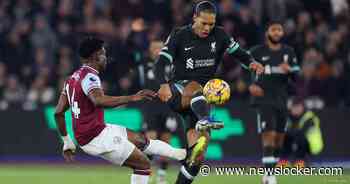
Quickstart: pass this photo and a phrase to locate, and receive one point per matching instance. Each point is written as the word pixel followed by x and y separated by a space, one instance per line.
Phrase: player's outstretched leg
pixel 155 147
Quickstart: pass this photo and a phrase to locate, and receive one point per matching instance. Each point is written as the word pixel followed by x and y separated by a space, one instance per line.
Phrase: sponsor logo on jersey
pixel 189 63
pixel 204 63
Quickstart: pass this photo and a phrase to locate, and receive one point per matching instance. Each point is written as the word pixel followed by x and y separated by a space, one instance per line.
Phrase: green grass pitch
pixel 107 174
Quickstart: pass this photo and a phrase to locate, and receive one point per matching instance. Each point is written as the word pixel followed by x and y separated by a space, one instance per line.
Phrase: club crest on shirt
pixel 213 46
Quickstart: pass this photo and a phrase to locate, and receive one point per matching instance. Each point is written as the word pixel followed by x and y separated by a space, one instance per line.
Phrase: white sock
pixel 139 179
pixel 157 147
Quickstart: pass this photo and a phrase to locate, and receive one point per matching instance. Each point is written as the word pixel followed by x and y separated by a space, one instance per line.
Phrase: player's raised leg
pixel 155 147
pixel 193 97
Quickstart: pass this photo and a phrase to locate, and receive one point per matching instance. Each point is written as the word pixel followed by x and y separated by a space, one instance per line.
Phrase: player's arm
pixel 165 58
pixel 233 49
pixel 99 99
pixel 294 67
pixel 61 108
pixel 68 145
pixel 289 66
pixel 91 86
pixel 255 88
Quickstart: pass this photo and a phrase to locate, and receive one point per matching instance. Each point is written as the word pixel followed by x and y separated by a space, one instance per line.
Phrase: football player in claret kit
pixel 83 93
pixel 195 51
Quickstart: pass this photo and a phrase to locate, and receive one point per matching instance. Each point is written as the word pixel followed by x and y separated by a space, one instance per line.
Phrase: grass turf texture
pixel 97 174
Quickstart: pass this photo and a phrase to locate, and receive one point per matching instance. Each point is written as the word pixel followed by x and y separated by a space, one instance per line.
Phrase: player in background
pixel 195 51
pixel 83 93
pixel 159 121
pixel 269 93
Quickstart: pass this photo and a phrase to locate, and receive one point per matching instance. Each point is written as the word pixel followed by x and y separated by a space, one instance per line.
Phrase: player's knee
pixel 142 141
pixel 190 90
pixel 151 134
pixel 197 96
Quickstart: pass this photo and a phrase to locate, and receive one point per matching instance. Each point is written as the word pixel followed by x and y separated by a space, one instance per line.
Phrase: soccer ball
pixel 216 91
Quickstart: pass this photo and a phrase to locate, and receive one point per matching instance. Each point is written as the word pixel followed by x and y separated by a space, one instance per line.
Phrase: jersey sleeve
pixel 168 51
pixel 90 81
pixel 254 52
pixel 294 66
pixel 293 62
pixel 233 49
pixel 166 56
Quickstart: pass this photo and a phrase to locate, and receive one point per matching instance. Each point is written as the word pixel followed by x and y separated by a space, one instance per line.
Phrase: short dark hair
pixel 273 22
pixel 89 46
pixel 205 6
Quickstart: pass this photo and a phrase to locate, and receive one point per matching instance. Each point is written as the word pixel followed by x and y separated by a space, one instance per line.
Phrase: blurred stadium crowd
pixel 39 38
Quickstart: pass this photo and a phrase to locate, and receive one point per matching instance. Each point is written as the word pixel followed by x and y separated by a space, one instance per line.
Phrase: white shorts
pixel 111 144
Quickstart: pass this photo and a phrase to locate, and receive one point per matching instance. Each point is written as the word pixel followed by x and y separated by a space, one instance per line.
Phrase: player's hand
pixel 284 67
pixel 257 67
pixel 144 94
pixel 256 90
pixel 164 92
pixel 68 149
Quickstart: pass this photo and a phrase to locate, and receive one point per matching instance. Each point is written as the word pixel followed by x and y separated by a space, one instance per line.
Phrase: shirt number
pixel 74 104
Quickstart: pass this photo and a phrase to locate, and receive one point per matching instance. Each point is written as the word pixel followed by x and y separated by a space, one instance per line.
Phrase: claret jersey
pixel 87 119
